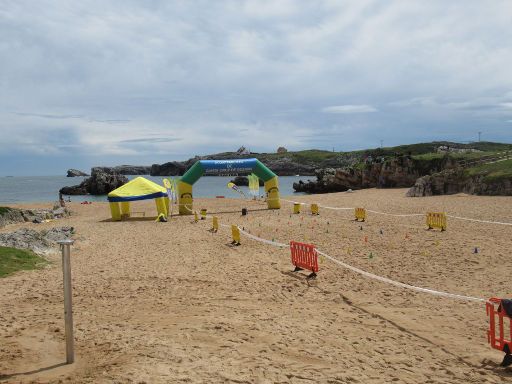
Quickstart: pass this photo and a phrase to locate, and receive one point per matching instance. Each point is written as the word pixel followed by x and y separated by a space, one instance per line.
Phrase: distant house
pixel 243 151
pixel 282 150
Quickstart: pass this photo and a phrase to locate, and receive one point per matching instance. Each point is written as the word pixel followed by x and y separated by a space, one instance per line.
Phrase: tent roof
pixel 137 189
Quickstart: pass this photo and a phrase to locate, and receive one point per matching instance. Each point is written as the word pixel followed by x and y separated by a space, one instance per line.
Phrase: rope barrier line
pixel 402 285
pixel 371 275
pixel 479 221
pixel 396 215
pixel 408 215
pixel 321 206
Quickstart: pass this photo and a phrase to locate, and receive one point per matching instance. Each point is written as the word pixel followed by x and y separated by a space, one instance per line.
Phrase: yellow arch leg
pixel 272 190
pixel 185 199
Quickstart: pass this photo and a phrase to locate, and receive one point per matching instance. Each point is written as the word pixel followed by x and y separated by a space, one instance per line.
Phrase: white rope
pixel 399 284
pixel 396 215
pixel 321 206
pixel 371 275
pixel 479 221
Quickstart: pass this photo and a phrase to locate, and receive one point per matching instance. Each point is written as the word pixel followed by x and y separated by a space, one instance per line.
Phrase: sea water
pixel 19 189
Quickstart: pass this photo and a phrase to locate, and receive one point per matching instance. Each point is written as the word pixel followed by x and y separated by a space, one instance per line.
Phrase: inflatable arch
pixel 216 167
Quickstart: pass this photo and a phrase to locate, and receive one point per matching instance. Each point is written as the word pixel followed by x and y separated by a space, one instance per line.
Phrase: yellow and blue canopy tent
pixel 137 189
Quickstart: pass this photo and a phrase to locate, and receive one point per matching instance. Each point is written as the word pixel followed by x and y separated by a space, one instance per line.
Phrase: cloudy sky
pixel 89 83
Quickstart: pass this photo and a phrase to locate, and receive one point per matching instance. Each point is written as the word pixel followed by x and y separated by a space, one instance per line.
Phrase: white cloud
pixel 97 76
pixel 363 108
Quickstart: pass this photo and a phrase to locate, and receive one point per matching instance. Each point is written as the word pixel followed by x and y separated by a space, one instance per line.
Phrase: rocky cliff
pixel 14 215
pixel 100 183
pixel 454 181
pixel 75 173
pixel 401 171
pixel 126 169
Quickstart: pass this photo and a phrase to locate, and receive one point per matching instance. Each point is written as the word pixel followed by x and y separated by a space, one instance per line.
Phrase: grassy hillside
pixel 420 150
pixel 13 260
pixel 492 171
pixel 4 210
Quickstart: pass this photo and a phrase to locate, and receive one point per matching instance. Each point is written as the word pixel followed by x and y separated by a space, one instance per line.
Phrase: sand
pixel 172 302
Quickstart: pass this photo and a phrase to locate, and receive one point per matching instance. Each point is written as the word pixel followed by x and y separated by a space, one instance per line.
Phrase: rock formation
pixel 15 215
pixel 244 181
pixel 172 168
pixel 75 173
pixel 450 182
pixel 100 183
pixel 400 171
pixel 42 243
pixel 126 169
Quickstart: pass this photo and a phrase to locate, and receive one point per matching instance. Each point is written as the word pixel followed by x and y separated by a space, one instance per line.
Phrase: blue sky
pixel 139 82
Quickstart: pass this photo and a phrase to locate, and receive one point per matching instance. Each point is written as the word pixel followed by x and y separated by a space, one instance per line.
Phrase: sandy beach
pixel 173 302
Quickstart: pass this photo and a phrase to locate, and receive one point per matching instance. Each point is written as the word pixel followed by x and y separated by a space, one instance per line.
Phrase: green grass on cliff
pixel 492 171
pixel 13 260
pixel 4 210
pixel 422 151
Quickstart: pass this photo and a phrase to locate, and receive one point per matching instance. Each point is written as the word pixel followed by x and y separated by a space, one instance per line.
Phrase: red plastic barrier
pixel 304 256
pixel 504 322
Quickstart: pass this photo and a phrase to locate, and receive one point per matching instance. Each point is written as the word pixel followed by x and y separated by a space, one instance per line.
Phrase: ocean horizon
pixel 26 189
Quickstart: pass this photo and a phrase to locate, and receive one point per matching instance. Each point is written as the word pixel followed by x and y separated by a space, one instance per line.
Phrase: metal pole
pixel 68 306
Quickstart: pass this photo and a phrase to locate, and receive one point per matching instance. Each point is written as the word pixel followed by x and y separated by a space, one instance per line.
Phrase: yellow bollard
pixel 314 209
pixel 215 224
pixel 235 233
pixel 296 207
pixel 196 219
pixel 203 213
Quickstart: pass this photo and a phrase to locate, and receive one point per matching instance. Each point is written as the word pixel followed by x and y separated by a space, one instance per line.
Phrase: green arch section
pixel 201 167
pixel 217 167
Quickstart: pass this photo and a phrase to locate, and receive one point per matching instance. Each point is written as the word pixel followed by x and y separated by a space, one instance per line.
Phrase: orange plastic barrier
pixel 304 256
pixel 501 340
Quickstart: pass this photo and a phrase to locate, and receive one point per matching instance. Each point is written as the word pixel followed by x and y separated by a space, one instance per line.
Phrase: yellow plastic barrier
pixel 314 209
pixel 235 233
pixel 360 214
pixel 296 207
pixel 215 224
pixel 203 213
pixel 436 220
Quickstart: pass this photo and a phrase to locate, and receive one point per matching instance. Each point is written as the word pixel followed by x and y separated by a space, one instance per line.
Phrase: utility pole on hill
pixel 479 134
